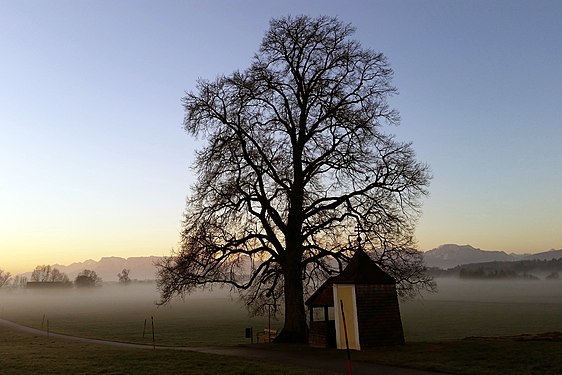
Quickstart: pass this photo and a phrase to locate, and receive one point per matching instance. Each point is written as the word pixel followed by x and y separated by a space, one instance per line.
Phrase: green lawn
pixel 474 356
pixel 477 356
pixel 28 354
pixel 459 310
pixel 119 313
pixel 22 353
pixel 479 308
pixel 436 328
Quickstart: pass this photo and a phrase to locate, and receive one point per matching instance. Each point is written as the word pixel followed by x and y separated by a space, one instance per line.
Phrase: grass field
pixel 476 356
pixel 435 328
pixel 460 309
pixel 484 308
pixel 119 313
pixel 27 354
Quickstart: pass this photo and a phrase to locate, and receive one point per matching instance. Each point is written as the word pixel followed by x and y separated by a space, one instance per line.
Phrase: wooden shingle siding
pixel 378 314
pixel 322 334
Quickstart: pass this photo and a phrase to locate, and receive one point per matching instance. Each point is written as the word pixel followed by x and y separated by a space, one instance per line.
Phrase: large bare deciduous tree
pixel 297 165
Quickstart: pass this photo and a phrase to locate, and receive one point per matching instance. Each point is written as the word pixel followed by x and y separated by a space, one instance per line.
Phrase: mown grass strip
pixel 28 354
pixel 478 356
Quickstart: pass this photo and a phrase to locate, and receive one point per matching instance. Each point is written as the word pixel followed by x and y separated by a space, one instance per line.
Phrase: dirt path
pixel 309 359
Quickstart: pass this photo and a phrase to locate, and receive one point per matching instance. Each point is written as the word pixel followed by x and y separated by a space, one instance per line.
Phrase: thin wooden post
pixel 249 333
pixel 269 323
pixel 43 323
pixel 153 340
pixel 346 341
pixel 144 328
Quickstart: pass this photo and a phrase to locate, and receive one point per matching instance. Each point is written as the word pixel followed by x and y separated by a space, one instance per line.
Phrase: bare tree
pixel 124 276
pixel 296 165
pixel 58 276
pixel 87 278
pixel 41 274
pixel 19 282
pixel 46 273
pixel 4 278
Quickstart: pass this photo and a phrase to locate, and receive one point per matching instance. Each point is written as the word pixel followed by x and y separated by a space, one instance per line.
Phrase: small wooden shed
pixel 370 305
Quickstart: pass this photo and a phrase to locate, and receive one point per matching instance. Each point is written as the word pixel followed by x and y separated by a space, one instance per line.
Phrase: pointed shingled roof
pixel 361 269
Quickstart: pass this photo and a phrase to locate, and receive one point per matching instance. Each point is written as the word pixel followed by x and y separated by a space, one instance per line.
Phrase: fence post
pixel 250 334
pixel 144 328
pixel 269 323
pixel 153 341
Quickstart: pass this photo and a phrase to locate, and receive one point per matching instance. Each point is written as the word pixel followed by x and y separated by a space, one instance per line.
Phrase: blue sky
pixel 94 161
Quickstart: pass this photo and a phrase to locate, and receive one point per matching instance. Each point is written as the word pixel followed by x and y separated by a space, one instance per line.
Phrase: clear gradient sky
pixel 94 161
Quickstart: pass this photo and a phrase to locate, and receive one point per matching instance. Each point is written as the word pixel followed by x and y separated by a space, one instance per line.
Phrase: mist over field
pixel 497 291
pixel 461 308
pixel 141 297
pixel 118 312
pixel 464 308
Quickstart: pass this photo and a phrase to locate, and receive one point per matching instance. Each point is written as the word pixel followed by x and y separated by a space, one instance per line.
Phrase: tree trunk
pixel 295 329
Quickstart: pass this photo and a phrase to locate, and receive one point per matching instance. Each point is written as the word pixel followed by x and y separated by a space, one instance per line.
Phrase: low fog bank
pixel 516 291
pixel 460 308
pixel 134 296
pixel 146 295
pixel 465 308
pixel 127 313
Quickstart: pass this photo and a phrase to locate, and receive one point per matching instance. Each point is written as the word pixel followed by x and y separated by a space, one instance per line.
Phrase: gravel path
pixel 303 359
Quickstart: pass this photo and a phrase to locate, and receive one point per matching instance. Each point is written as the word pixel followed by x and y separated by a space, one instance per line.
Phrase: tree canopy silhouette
pixel 124 276
pixel 88 279
pixel 296 165
pixel 48 274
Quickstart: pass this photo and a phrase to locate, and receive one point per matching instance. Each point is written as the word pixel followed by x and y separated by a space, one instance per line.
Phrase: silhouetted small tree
pixel 87 278
pixel 124 276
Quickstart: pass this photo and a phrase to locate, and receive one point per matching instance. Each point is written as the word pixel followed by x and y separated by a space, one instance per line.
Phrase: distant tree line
pixel 523 269
pixel 48 276
pixel 483 273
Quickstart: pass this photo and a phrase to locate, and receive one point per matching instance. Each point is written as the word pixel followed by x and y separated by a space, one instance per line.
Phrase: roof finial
pixel 357 230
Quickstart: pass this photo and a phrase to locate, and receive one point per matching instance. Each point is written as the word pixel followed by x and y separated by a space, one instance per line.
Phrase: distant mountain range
pixel 444 256
pixel 450 255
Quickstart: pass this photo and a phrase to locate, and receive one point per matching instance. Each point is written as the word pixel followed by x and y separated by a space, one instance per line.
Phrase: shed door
pixel 346 294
